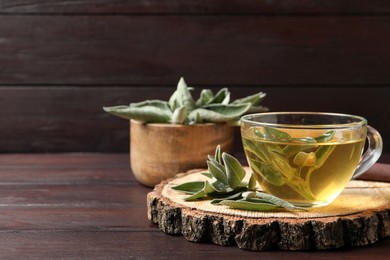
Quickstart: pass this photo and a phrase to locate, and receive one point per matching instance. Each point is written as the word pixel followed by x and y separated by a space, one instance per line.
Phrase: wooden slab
pixel 358 217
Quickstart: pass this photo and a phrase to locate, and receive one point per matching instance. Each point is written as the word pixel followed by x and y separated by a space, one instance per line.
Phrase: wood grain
pixel 89 206
pixel 60 119
pixel 197 7
pixel 220 50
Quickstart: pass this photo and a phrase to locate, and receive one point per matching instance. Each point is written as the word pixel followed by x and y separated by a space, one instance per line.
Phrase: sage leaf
pixel 282 165
pixel 163 105
pixel 218 186
pixel 207 174
pixel 327 136
pixel 230 111
pixel 190 187
pixel 217 155
pixel 275 200
pixel 207 189
pixel 235 196
pixel 234 170
pixel 266 173
pixel 248 195
pixel 179 115
pixel 202 115
pixel 222 97
pixel 275 134
pixel 156 112
pixel 305 159
pixel 182 96
pixel 306 139
pixel 290 150
pixel 252 182
pixel 206 96
pixel 216 171
pixel 254 99
pixel 247 205
pixel 322 153
pixel 251 147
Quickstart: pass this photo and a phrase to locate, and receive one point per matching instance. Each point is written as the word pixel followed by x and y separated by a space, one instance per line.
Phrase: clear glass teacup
pixel 307 158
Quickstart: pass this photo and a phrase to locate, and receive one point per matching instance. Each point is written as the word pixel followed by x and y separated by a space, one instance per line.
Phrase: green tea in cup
pixel 307 158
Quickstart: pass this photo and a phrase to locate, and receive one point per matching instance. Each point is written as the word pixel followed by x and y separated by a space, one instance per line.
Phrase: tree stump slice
pixel 358 217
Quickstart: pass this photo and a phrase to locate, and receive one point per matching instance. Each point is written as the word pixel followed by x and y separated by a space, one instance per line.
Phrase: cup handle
pixel 372 154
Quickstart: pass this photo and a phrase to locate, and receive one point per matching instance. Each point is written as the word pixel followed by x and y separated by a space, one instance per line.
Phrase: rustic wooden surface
pixel 353 219
pixel 61 61
pixel 89 206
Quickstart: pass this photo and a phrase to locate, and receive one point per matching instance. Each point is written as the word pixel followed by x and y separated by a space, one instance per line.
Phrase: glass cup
pixel 307 158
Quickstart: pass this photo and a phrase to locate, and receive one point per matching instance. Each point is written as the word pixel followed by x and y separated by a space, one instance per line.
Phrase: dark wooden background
pixel 61 61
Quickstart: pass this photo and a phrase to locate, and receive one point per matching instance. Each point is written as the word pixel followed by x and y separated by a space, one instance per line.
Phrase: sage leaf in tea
pixel 284 160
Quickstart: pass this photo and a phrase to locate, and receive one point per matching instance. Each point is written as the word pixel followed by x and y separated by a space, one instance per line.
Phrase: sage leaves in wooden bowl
pixel 169 137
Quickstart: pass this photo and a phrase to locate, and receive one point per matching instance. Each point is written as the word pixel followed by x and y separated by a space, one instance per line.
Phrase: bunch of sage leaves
pixel 182 108
pixel 226 186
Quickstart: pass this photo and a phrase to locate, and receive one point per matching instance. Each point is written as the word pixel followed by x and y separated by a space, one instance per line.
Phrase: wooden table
pixel 89 206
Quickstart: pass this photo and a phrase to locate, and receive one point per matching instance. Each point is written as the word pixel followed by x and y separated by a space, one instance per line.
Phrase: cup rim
pixel 360 121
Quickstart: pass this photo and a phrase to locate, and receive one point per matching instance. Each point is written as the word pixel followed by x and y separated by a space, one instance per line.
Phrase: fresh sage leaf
pixel 216 171
pixel 247 205
pixel 218 186
pixel 252 182
pixel 235 196
pixel 254 99
pixel 229 111
pixel 207 174
pixel 222 97
pixel 217 155
pixel 247 195
pixel 325 137
pixel 275 200
pixel 234 171
pixel 190 187
pixel 184 97
pixel 201 115
pixel 206 96
pixel 179 115
pixel 146 113
pixel 207 189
